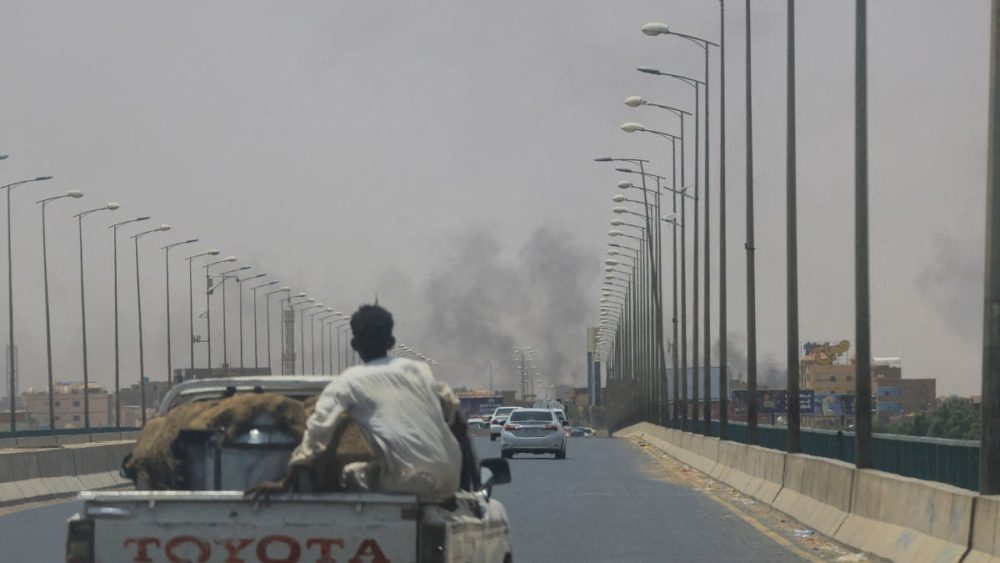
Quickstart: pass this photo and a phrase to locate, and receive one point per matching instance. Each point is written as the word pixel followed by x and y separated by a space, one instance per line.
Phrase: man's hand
pixel 264 490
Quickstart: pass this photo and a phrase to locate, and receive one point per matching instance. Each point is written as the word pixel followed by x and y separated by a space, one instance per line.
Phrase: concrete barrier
pixel 816 492
pixel 41 474
pixel 985 531
pixel 754 471
pixel 905 519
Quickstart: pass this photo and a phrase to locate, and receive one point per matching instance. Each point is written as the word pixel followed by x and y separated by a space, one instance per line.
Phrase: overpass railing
pixel 955 462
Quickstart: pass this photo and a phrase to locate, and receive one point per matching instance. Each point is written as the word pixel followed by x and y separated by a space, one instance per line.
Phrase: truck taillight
pixel 511 427
pixel 80 542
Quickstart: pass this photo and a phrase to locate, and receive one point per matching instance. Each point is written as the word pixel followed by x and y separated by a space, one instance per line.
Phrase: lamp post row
pixel 616 332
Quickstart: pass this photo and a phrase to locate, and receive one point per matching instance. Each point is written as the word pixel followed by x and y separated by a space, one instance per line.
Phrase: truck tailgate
pixel 222 526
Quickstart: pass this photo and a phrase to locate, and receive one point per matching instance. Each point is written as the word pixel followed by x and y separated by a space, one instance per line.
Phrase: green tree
pixel 954 418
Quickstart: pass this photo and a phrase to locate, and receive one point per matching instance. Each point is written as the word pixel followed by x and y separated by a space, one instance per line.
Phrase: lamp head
pixel 648 70
pixel 285 288
pixel 655 28
pixel 41 178
pixel 75 194
pixel 634 101
pixel 624 185
pixel 615 233
pixel 163 227
pixel 618 198
pixel 213 252
pixel 619 209
pixel 230 259
pixel 617 222
pixel 112 206
pixel 603 159
pixel 632 127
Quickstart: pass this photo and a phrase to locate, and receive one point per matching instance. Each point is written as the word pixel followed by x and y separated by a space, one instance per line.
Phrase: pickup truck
pixel 219 524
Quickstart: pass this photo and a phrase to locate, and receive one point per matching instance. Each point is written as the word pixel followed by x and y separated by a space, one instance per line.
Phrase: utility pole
pixel 862 312
pixel 751 275
pixel 792 345
pixel 989 449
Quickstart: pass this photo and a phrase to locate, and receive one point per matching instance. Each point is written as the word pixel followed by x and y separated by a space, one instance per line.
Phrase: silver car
pixel 497 421
pixel 533 431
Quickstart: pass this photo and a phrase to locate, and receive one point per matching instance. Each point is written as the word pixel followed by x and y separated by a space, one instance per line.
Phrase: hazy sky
pixel 439 154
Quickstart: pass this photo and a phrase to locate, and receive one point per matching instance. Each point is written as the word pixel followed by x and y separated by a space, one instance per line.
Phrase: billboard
pixel 834 404
pixel 479 405
pixel 773 401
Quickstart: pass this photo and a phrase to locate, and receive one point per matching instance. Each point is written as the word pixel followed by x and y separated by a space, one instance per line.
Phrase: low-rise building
pixel 68 407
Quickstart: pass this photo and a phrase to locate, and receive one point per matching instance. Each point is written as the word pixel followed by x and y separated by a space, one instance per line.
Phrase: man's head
pixel 372 328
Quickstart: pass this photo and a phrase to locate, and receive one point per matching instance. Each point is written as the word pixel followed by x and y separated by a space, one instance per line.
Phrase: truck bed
pixel 210 526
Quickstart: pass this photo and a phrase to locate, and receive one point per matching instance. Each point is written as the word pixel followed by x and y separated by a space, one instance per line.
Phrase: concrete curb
pixel 56 472
pixel 985 531
pixel 816 492
pixel 905 519
pixel 894 517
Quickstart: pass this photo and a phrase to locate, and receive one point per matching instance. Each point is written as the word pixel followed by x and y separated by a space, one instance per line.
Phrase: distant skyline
pixel 441 156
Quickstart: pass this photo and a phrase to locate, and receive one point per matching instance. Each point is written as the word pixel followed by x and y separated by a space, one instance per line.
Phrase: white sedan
pixel 533 431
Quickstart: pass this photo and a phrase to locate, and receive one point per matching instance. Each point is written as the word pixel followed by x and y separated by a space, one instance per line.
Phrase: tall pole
pixel 989 449
pixel 170 367
pixel 239 290
pixel 707 344
pixel 256 355
pixel 208 316
pixel 862 315
pixel 48 326
pixel 191 308
pixel 142 357
pixel 83 324
pixel 12 365
pixel 751 275
pixel 12 368
pixel 791 222
pixel 723 341
pixel 225 343
pixel 695 372
pixel 118 399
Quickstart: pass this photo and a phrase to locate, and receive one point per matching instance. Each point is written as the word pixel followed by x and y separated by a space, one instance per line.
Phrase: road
pixel 604 503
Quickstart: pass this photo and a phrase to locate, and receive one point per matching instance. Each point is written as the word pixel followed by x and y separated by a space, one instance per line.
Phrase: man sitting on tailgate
pixel 403 414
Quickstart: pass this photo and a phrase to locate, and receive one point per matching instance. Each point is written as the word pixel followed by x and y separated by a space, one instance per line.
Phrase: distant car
pixel 497 421
pixel 588 431
pixel 477 425
pixel 577 431
pixel 533 431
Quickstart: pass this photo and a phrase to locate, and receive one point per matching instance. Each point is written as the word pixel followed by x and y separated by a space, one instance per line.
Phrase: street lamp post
pixel 114 239
pixel 75 194
pixel 208 303
pixel 302 340
pixel 267 304
pixel 83 311
pixel 224 277
pixel 302 336
pixel 190 261
pixel 239 290
pixel 166 255
pixel 750 249
pixel 138 298
pixel 322 337
pixel 12 365
pixel 253 290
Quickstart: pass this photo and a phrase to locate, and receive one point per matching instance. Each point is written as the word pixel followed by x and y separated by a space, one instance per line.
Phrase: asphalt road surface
pixel 602 504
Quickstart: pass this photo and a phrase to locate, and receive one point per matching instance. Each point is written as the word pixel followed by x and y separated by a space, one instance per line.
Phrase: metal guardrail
pixel 67 432
pixel 955 462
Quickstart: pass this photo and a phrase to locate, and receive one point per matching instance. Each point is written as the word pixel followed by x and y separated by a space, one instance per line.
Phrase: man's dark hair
pixel 372 328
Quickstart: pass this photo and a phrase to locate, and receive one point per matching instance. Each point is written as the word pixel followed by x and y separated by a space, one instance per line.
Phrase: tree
pixel 954 418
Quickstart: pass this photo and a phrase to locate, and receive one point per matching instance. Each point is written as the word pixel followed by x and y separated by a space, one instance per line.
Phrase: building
pixel 131 397
pixel 896 396
pixel 67 402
